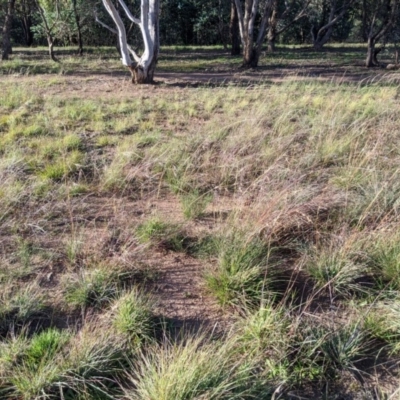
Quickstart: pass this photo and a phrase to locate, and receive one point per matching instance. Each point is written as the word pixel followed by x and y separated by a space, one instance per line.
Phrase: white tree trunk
pixel 143 67
pixel 247 18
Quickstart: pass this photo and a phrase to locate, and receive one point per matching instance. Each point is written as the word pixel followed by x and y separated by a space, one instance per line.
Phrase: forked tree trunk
pixel 251 43
pixel 6 47
pixel 320 40
pixel 142 68
pixel 48 30
pixel 321 36
pixel 379 28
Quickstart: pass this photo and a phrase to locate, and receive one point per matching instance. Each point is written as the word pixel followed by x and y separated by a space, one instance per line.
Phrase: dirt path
pixel 111 85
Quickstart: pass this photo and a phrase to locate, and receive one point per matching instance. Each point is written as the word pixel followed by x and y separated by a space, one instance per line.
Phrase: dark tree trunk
pixel 364 22
pixel 234 30
pixel 372 54
pixel 320 40
pixel 78 27
pixel 26 22
pixel 250 58
pixel 6 48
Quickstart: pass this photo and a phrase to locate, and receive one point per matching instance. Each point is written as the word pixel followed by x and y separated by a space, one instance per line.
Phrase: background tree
pixel 56 18
pixel 25 15
pixel 6 43
pixel 234 30
pixel 249 13
pixel 381 17
pixel 283 15
pixel 324 15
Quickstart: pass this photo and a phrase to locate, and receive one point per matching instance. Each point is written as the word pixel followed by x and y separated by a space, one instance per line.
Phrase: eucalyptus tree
pixel 283 15
pixel 257 16
pixel 141 67
pixel 6 45
pixel 234 30
pixel 24 14
pixel 324 15
pixel 56 17
pixel 380 18
pixel 249 13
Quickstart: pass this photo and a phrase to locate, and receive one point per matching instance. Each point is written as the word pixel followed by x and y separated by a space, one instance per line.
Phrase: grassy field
pixel 199 241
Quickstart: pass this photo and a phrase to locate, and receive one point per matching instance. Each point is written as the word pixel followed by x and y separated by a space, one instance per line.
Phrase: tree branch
pixel 128 13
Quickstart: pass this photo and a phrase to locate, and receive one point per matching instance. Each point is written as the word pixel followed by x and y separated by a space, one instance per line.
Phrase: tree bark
pixel 234 30
pixel 372 54
pixel 50 43
pixel 273 21
pixel 6 48
pixel 26 22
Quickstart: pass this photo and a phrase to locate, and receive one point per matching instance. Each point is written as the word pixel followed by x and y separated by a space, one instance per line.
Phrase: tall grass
pixel 296 264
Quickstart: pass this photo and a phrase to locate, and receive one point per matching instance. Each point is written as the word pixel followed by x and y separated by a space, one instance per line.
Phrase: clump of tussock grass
pixel 161 233
pixel 245 270
pixel 60 363
pixel 302 222
pixel 94 286
pixel 377 198
pixel 382 322
pixel 322 353
pixel 194 203
pixel 194 368
pixel 383 255
pixel 132 315
pixel 20 304
pixel 63 167
pixel 265 330
pixel 333 267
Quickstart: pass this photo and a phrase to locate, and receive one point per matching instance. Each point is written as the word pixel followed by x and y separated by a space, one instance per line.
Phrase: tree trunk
pixel 78 27
pixel 234 31
pixel 143 68
pixel 320 40
pixel 7 49
pixel 273 21
pixel 26 22
pixel 364 22
pixel 250 57
pixel 50 43
pixel 142 75
pixel 372 54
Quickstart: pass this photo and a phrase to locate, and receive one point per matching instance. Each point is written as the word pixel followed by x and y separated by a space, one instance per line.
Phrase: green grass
pixel 93 287
pixel 194 203
pixel 132 316
pixel 244 271
pixel 191 370
pixel 106 225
